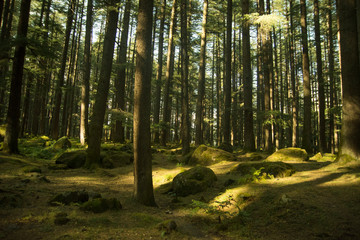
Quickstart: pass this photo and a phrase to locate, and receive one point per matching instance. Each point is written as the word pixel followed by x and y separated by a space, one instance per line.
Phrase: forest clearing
pixel 320 200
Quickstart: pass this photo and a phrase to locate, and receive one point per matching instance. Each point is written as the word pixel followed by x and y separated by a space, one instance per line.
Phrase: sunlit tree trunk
pixel 12 120
pixel 350 72
pixel 199 122
pixel 143 192
pixel 97 118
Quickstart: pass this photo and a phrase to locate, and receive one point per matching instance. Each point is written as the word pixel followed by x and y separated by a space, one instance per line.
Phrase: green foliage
pixel 255 175
pixel 219 208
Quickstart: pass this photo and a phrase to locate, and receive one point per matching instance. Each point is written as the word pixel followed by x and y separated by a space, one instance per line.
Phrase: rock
pixel 275 169
pixel 74 159
pixel 193 181
pixel 326 157
pixel 204 155
pixel 100 205
pixel 116 159
pixel 167 226
pixel 62 143
pixel 61 219
pixel 288 155
pixel 69 197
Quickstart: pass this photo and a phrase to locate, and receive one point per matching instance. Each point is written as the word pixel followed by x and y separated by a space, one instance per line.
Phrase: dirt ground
pixel 320 201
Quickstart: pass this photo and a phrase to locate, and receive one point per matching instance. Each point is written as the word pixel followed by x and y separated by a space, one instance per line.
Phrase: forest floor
pixel 320 201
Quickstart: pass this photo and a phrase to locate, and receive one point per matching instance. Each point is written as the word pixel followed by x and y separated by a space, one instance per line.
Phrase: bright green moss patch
pixel 204 155
pixel 266 169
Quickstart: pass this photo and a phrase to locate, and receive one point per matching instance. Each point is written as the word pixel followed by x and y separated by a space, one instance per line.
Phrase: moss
pixel 145 220
pixel 62 143
pixel 288 154
pixel 30 169
pixel 204 155
pixel 327 157
pixel 100 205
pixel 275 169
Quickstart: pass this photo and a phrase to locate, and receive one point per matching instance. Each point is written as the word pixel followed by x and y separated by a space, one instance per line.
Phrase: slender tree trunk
pixel 142 150
pixel 350 72
pixel 306 137
pixel 85 84
pixel 119 135
pixel 185 122
pixel 199 122
pixel 12 120
pixel 60 82
pixel 26 106
pixel 97 119
pixel 168 77
pixel 323 145
pixel 331 77
pixel 227 82
pixel 249 139
pixel 159 74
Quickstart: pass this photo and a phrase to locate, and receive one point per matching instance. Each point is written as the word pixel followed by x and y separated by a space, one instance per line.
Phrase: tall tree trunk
pixel 321 84
pixel 185 122
pixel 159 74
pixel 85 84
pixel 61 76
pixel 199 122
pixel 97 118
pixel 306 136
pixel 249 139
pixel 142 150
pixel 12 120
pixel 168 77
pixel 121 75
pixel 332 125
pixel 227 82
pixel 350 72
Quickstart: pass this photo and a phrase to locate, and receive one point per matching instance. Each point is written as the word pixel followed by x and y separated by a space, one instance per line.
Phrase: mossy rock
pixel 193 181
pixel 204 155
pixel 31 169
pixel 288 155
pixel 275 169
pixel 116 159
pixel 249 157
pixel 62 143
pixel 69 197
pixel 74 159
pixel 226 147
pixel 326 157
pixel 100 205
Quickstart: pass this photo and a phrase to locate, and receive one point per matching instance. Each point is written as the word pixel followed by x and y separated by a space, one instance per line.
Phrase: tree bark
pixel 143 192
pixel 349 59
pixel 97 118
pixel 249 139
pixel 306 136
pixel 199 122
pixel 12 120
pixel 168 77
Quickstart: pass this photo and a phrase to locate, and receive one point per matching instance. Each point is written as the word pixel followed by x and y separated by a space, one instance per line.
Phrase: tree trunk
pixel 306 137
pixel 61 76
pixel 143 192
pixel 249 139
pixel 119 135
pixel 85 84
pixel 185 122
pixel 227 82
pixel 199 122
pixel 12 120
pixel 97 119
pixel 168 77
pixel 349 59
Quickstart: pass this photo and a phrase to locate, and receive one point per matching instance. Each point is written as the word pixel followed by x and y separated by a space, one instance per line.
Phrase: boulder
pixel 74 159
pixel 288 155
pixel 193 181
pixel 62 143
pixel 100 205
pixel 204 155
pixel 275 169
pixel 327 157
pixel 249 157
